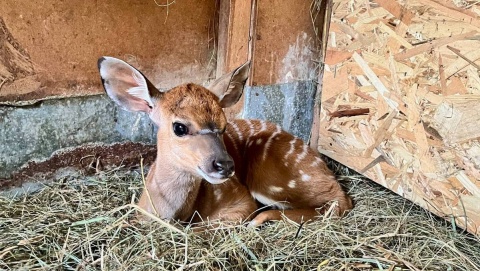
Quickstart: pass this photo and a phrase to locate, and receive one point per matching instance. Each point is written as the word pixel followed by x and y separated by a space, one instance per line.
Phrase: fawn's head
pixel 190 117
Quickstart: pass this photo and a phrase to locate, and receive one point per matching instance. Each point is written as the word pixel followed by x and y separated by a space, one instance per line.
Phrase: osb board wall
pixel 50 48
pixel 401 100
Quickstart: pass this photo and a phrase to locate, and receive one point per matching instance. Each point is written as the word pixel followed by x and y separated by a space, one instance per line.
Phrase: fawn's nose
pixel 224 167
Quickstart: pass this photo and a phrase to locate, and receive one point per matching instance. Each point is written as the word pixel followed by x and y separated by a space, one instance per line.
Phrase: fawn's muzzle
pixel 225 168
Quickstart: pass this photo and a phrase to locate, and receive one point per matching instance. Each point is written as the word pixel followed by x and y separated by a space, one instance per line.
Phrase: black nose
pixel 224 167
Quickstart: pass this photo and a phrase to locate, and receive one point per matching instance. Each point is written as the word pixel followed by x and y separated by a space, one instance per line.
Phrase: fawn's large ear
pixel 125 85
pixel 229 87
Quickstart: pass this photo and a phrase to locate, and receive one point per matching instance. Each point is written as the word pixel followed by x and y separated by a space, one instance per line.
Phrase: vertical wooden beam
pixel 234 36
pixel 321 15
pixel 222 37
pixel 284 43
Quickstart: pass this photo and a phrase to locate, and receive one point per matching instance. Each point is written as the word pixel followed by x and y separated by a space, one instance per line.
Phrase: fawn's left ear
pixel 126 85
pixel 229 87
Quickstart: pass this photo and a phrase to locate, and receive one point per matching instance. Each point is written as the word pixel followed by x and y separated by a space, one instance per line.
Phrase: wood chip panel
pixel 401 100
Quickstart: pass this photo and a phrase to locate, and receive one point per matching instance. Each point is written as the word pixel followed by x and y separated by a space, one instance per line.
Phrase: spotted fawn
pixel 207 167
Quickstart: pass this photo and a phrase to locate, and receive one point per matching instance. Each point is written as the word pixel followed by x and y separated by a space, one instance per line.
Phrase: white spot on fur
pixel 292 184
pixel 252 224
pixel 303 154
pixel 306 177
pixel 316 162
pixel 275 189
pixel 237 130
pixel 205 131
pixel 292 148
pixel 264 126
pixel 218 194
pixel 270 202
pixel 249 143
pixel 269 141
pixel 259 141
pixel 251 127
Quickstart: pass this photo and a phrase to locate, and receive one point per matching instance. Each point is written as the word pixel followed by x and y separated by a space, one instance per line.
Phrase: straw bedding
pixel 88 223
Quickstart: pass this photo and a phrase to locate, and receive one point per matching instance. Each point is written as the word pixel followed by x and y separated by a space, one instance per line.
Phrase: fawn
pixel 218 169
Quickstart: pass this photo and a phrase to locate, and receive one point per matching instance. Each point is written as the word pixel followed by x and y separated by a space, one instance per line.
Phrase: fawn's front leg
pixel 229 201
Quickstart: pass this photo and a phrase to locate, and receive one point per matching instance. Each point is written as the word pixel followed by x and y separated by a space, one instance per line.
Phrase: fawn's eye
pixel 180 129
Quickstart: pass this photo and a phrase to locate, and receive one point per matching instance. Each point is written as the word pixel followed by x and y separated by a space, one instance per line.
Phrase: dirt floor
pixel 87 223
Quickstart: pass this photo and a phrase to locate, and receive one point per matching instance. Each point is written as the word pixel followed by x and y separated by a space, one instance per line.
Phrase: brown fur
pixel 193 103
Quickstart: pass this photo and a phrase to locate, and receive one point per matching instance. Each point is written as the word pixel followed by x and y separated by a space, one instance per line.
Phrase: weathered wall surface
pixel 50 48
pixel 285 43
pixel 33 133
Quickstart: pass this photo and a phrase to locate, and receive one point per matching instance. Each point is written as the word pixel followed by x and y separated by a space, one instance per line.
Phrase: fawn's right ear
pixel 229 87
pixel 125 85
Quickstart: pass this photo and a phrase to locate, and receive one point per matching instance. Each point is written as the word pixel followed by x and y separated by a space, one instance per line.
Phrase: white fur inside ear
pixel 140 91
pixel 111 68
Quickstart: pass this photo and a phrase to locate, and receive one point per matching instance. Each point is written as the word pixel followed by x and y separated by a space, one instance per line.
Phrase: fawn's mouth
pixel 214 178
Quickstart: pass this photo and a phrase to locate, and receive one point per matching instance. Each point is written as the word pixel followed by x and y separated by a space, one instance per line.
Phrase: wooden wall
pixel 50 49
pixel 401 100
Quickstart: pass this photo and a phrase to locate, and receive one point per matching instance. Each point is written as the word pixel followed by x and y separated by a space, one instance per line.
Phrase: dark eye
pixel 180 129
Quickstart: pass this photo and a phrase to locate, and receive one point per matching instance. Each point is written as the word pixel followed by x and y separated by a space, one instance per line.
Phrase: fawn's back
pixel 280 170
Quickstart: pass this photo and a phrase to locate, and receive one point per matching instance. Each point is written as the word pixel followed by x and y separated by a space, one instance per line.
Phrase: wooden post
pixel 235 28
pixel 321 25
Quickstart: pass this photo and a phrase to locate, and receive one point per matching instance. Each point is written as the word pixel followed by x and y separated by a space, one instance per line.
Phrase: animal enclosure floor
pixel 87 223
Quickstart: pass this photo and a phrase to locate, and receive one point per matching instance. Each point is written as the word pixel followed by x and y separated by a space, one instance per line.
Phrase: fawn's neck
pixel 173 192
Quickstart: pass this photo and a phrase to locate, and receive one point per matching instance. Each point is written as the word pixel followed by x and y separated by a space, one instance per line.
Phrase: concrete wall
pixel 34 133
pixel 31 135
pixel 290 105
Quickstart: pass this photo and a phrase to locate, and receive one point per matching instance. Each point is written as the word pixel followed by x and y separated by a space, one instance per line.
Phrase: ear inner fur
pixel 125 85
pixel 229 87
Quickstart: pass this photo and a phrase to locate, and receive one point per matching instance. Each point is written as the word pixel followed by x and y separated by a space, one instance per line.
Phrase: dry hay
pixel 87 223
